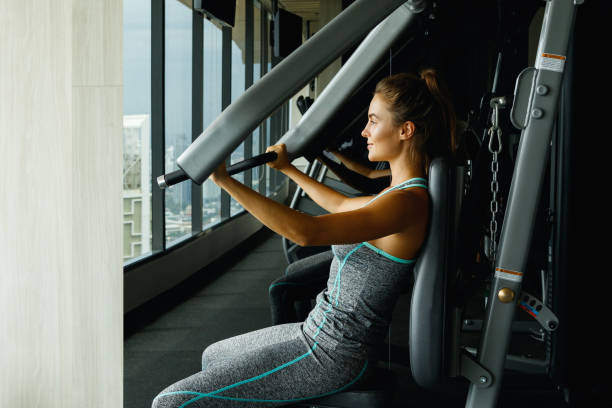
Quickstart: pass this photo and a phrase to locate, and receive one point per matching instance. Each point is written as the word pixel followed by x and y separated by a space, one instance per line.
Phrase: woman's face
pixel 380 131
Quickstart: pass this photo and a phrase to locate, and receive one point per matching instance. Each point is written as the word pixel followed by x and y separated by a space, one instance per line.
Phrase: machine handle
pixel 252 162
pixel 170 179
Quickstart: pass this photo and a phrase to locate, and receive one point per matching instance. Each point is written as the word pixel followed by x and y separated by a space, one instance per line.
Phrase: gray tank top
pixel 354 310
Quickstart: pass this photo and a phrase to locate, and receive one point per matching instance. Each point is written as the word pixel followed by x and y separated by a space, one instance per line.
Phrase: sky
pixel 137 68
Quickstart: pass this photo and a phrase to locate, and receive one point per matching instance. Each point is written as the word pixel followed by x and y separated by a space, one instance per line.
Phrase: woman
pixel 375 241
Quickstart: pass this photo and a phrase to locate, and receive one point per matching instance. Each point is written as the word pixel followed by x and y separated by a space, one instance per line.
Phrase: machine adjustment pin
pixel 505 295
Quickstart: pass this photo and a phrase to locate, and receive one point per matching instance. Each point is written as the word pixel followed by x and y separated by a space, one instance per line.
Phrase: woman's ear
pixel 407 130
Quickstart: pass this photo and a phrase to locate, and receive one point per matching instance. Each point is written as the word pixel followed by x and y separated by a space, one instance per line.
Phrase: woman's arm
pixel 390 214
pixel 324 196
pixel 353 179
pixel 361 168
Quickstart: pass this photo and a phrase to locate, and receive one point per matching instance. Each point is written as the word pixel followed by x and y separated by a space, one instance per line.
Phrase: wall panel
pixel 60 196
pixel 97 219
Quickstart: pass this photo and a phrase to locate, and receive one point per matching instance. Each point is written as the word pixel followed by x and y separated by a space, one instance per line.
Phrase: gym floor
pixel 164 338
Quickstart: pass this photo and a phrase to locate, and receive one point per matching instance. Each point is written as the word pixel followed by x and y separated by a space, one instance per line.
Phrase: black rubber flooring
pixel 164 338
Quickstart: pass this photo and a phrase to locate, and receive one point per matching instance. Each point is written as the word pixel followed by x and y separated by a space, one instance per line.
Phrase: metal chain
pixel 494 130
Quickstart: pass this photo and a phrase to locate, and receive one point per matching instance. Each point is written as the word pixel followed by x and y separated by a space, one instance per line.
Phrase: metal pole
pixel 524 195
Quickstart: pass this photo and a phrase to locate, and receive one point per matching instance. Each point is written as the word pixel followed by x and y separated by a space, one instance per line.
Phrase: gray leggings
pixel 274 366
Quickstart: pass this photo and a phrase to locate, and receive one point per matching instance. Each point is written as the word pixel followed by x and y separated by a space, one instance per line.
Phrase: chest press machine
pixel 534 111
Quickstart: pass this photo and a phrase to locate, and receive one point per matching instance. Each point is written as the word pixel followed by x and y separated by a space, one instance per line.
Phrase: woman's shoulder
pixel 413 192
pixel 412 200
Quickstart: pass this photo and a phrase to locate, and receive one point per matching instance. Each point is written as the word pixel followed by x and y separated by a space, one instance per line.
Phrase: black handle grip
pixel 178 176
pixel 252 162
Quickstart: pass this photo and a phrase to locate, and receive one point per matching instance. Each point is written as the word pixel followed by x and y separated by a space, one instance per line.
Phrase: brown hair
pixel 425 101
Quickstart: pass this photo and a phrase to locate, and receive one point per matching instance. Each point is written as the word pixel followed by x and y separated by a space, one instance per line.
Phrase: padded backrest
pixel 427 310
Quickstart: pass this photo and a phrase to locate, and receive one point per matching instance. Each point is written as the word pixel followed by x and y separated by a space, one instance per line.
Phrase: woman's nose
pixel 364 131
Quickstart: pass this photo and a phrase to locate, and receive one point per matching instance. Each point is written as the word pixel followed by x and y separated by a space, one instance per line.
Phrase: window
pixel 177 115
pixel 256 75
pixel 212 61
pixel 238 83
pixel 268 135
pixel 143 217
pixel 136 128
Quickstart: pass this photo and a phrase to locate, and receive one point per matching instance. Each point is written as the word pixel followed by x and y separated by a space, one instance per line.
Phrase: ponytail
pixel 441 94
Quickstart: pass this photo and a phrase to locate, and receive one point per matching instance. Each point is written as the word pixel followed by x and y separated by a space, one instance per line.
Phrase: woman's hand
pixel 219 174
pixel 282 160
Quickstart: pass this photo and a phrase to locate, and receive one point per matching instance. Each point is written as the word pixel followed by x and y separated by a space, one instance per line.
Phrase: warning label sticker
pixel 508 274
pixel 551 62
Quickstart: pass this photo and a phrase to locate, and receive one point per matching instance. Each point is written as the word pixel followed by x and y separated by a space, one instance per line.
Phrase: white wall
pixel 61 272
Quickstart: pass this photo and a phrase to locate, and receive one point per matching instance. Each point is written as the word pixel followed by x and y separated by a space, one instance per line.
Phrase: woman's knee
pixel 173 398
pixel 158 403
pixel 213 352
pixel 207 356
pixel 165 400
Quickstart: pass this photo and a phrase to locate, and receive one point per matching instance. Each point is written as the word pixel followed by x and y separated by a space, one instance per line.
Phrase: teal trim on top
pixel 389 256
pixel 414 185
pixel 334 251
pixel 411 180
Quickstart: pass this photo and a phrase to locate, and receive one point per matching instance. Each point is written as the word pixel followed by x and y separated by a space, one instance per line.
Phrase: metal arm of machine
pixel 351 75
pixel 239 119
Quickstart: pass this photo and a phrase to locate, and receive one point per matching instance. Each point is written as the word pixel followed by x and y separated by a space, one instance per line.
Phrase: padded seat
pixel 377 391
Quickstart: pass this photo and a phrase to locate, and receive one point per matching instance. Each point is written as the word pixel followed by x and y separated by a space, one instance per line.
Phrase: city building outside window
pixel 136 129
pixel 178 85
